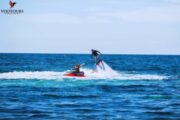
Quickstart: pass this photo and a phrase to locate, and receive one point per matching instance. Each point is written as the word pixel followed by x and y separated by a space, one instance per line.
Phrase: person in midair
pixel 95 54
pixel 98 61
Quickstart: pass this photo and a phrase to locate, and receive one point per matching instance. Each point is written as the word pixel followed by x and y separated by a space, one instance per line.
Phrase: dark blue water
pixel 32 87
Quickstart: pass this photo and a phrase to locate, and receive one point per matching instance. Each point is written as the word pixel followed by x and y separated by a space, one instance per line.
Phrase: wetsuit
pixel 95 54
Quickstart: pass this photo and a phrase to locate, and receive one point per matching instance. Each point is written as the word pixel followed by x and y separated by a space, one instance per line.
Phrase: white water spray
pixel 106 74
pixel 103 70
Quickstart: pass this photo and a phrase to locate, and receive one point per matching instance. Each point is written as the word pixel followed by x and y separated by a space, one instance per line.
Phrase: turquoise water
pixel 32 86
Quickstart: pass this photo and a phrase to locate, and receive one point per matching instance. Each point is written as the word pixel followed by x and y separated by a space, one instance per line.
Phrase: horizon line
pixel 87 53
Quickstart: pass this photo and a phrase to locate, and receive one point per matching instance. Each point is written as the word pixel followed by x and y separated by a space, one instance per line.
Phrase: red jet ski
pixel 74 74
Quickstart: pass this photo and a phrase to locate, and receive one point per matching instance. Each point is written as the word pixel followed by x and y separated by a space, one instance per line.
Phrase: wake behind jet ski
pixel 75 72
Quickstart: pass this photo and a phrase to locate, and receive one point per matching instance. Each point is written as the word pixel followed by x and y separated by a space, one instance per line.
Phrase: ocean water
pixel 132 87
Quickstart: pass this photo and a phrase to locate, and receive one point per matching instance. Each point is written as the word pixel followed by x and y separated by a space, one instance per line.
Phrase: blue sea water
pixel 134 87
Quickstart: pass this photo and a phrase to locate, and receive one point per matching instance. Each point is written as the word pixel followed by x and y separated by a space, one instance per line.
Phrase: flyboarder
pixel 95 54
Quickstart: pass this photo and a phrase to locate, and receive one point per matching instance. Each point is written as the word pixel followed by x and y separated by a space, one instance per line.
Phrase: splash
pixel 106 74
pixel 104 71
pixel 105 68
pixel 49 75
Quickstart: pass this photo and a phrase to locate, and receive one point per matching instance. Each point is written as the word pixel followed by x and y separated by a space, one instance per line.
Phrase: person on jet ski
pixel 95 54
pixel 76 68
pixel 75 72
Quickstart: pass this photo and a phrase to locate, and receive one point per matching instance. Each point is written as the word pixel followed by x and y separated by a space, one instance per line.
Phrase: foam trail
pixel 31 75
pixel 49 75
pixel 114 74
pixel 107 74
